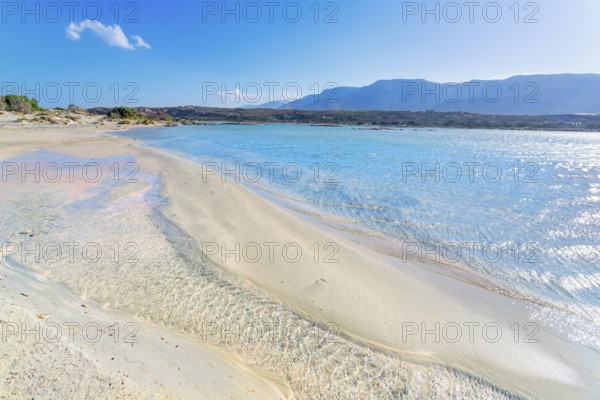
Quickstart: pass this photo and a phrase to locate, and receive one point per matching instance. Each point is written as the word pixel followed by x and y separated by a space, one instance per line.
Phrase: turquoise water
pixel 520 208
pixel 141 264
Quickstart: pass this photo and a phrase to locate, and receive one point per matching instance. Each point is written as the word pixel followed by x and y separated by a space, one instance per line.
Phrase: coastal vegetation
pixel 388 119
pixel 128 115
pixel 123 113
pixel 191 115
pixel 17 103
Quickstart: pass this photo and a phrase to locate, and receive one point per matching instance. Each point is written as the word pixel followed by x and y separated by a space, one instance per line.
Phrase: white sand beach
pixel 371 312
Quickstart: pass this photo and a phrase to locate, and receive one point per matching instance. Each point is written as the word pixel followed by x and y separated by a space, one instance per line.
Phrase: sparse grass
pixel 52 117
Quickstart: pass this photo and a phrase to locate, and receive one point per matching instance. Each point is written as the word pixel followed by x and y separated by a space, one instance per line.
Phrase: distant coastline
pixel 392 119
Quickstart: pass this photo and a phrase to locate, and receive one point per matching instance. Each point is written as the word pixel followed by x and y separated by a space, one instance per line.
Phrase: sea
pixel 519 210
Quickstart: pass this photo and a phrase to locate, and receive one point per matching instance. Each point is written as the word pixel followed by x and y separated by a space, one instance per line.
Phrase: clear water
pixel 520 208
pixel 159 282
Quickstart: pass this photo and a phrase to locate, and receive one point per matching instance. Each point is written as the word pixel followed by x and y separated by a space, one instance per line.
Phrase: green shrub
pixel 166 117
pixel 123 113
pixel 24 104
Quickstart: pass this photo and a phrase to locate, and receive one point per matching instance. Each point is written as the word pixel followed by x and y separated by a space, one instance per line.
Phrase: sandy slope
pixel 153 363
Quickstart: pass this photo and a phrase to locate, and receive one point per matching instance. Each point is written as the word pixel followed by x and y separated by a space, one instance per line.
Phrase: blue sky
pixel 159 53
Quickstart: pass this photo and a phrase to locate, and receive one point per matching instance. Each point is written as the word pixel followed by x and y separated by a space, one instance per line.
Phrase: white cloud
pixel 112 35
pixel 139 42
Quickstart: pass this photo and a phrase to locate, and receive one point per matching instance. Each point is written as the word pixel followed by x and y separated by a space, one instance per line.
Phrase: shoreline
pixel 369 296
pixel 370 238
pixel 408 119
pixel 387 275
pixel 379 127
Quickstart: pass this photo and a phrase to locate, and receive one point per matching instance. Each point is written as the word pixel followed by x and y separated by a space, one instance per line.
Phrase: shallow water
pixel 143 268
pixel 520 208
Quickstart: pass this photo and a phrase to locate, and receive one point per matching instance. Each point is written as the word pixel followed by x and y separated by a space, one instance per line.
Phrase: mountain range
pixel 517 95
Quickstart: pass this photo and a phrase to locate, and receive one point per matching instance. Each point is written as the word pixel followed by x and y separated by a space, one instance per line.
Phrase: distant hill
pixel 518 95
pixel 272 105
